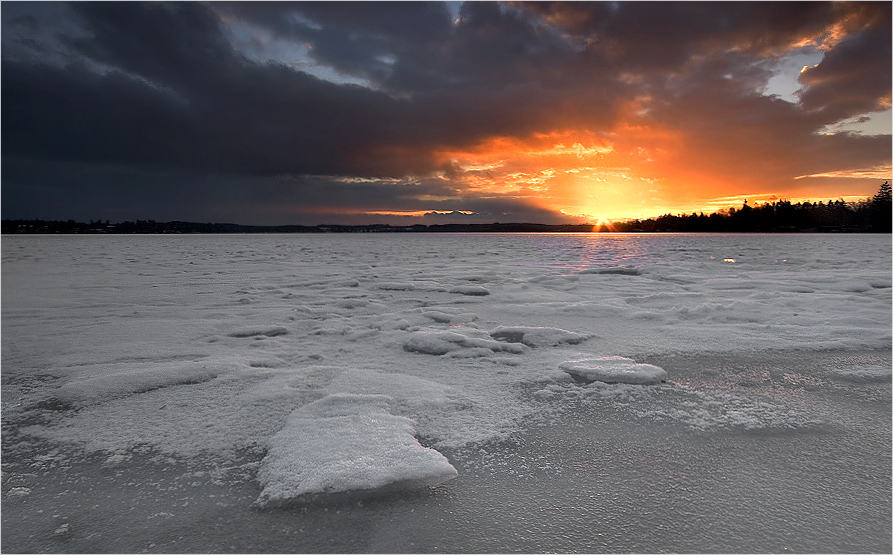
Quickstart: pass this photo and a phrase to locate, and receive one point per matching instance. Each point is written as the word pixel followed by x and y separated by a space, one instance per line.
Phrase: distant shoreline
pixel 150 227
pixel 874 215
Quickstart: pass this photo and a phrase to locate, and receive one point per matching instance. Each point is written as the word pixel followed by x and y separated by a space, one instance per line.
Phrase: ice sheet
pixel 213 344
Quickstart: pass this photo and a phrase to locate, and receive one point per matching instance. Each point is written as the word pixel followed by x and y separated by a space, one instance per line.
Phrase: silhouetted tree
pixel 883 194
pixel 881 210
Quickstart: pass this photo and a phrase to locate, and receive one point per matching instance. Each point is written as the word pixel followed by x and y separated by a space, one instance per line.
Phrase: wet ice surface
pixel 149 384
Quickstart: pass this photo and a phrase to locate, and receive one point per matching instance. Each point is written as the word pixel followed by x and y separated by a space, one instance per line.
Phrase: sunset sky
pixel 410 112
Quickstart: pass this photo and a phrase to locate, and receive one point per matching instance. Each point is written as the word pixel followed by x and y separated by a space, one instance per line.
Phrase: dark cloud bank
pixel 184 111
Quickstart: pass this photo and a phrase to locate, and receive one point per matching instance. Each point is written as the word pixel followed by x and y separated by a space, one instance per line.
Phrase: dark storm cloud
pixel 501 71
pixel 663 35
pixel 122 91
pixel 361 39
pixel 170 92
pixel 412 47
pixel 91 191
pixel 665 39
pixel 853 76
pixel 732 133
pixel 159 84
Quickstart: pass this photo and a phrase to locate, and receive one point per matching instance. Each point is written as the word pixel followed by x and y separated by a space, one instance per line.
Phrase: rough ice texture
pixel 614 369
pixel 347 442
pixel 176 343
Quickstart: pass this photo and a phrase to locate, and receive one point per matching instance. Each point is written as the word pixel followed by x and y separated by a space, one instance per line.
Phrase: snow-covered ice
pixel 376 361
pixel 346 442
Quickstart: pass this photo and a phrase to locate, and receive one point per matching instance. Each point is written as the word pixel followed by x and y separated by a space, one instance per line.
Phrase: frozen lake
pixel 434 393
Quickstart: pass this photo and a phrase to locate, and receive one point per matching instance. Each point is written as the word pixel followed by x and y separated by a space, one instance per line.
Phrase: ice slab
pixel 347 442
pixel 614 369
pixel 538 336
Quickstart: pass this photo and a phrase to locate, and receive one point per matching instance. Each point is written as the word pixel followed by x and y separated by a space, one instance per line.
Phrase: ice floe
pixel 347 442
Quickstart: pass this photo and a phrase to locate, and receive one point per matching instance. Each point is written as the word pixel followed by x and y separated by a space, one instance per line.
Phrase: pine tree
pixel 884 194
pixel 881 210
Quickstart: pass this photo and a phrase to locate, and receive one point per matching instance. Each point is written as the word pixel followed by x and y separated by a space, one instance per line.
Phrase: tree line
pixel 872 215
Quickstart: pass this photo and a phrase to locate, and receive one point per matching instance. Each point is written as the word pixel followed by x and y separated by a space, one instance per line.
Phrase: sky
pixel 438 112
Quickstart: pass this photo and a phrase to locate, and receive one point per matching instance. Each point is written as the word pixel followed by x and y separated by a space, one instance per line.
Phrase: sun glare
pixel 595 178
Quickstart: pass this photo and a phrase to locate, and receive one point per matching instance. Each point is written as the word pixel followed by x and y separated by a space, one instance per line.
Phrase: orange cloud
pixel 581 173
